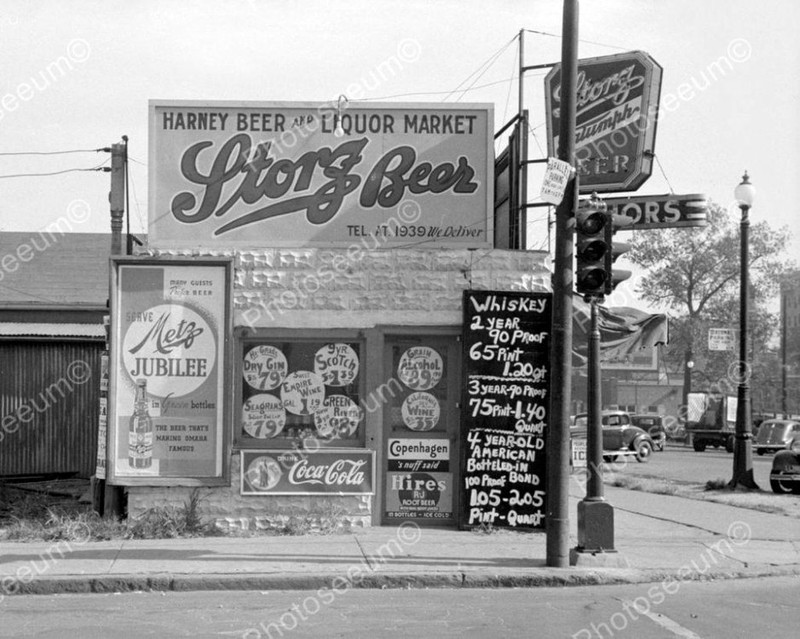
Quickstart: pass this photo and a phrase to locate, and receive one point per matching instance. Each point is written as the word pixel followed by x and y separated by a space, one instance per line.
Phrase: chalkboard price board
pixel 505 408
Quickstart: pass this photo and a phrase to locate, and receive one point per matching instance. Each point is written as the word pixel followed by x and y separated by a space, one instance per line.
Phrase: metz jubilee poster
pixel 169 350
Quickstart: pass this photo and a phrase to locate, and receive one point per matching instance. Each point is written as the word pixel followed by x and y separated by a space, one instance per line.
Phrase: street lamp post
pixel 688 365
pixel 743 446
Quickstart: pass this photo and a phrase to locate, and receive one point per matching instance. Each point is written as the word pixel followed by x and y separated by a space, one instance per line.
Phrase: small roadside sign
pixel 555 180
pixel 721 339
pixel 579 452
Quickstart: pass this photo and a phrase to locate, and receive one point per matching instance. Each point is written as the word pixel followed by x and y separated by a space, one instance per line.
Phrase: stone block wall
pixel 353 288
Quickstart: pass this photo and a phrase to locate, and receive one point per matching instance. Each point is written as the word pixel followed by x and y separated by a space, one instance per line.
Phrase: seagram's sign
pixel 308 174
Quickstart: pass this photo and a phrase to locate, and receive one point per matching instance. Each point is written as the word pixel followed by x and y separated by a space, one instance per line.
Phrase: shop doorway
pixel 421 429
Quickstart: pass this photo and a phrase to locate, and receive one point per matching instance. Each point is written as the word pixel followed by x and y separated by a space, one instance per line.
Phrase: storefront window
pixel 422 372
pixel 300 393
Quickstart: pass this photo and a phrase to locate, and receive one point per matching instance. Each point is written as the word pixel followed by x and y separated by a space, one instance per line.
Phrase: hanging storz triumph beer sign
pixel 615 128
pixel 310 174
pixel 170 322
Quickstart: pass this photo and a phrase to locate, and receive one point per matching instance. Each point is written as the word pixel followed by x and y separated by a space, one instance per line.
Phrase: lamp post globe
pixel 743 444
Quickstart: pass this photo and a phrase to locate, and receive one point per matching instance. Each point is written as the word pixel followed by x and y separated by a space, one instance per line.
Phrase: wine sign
pixel 505 409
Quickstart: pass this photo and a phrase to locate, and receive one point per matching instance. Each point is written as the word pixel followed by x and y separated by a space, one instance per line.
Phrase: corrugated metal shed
pixel 49 406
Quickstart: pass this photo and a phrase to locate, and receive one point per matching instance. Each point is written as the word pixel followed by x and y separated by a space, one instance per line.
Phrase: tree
pixel 694 274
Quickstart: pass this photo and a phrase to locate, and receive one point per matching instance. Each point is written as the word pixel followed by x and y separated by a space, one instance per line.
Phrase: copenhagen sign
pixel 316 174
pixel 660 211
pixel 617 108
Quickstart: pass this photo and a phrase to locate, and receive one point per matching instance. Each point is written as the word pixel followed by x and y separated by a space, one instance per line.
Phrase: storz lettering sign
pixel 299 472
pixel 617 109
pixel 317 174
pixel 506 400
pixel 169 326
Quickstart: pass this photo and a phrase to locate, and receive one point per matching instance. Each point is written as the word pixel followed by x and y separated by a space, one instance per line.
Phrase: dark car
pixel 775 434
pixel 653 424
pixel 785 474
pixel 620 437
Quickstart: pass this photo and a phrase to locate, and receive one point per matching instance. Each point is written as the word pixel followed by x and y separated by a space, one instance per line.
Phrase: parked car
pixel 653 424
pixel 775 434
pixel 620 436
pixel 785 474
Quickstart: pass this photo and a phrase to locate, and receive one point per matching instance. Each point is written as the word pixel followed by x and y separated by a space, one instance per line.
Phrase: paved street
pixel 681 463
pixel 729 609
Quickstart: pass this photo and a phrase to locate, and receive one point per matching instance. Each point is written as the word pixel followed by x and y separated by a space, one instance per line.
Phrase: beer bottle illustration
pixel 140 436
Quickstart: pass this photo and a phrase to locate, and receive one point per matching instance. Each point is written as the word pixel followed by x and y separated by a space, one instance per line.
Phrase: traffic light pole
pixel 558 437
pixel 594 435
pixel 595 515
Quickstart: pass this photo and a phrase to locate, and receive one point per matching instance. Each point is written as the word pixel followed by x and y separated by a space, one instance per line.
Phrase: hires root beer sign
pixel 319 174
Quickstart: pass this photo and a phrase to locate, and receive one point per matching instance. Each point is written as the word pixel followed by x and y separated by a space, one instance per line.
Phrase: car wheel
pixel 783 487
pixel 729 444
pixel 699 445
pixel 760 451
pixel 643 451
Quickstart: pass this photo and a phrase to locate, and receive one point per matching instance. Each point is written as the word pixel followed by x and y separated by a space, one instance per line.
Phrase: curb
pixel 80 584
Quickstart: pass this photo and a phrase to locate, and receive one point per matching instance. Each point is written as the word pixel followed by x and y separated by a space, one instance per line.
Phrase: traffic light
pixel 591 247
pixel 614 249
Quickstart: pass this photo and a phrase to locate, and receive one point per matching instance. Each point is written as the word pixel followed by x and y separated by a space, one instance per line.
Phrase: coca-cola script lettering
pixel 341 472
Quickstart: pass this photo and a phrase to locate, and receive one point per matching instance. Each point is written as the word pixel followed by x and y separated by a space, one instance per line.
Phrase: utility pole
pixel 558 440
pixel 114 502
pixel 116 196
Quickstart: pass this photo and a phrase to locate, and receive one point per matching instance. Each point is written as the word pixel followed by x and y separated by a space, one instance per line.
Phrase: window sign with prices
pixel 300 391
pixel 420 370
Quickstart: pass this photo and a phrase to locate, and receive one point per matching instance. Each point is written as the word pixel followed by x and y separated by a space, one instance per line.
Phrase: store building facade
pixel 337 385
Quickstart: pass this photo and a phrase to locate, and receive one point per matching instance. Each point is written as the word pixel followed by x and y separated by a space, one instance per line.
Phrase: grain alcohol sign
pixel 615 129
pixel 310 174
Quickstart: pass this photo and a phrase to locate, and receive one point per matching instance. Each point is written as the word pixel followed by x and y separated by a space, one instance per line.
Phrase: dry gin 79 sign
pixel 249 174
pixel 169 327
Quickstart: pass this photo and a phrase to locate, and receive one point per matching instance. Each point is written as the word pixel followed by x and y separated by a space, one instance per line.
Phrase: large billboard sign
pixel 617 108
pixel 248 175
pixel 169 336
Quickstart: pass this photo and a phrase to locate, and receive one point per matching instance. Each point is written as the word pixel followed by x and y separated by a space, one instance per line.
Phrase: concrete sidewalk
pixel 660 537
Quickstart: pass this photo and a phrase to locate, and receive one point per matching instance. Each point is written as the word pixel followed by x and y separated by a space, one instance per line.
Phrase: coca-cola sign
pixel 308 174
pixel 280 472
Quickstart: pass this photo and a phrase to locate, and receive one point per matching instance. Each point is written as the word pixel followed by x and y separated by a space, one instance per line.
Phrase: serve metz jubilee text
pixel 262 177
pixel 164 340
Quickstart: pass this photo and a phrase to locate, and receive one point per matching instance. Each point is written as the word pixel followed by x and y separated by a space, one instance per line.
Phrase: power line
pixel 19 175
pixel 556 35
pixel 671 190
pixel 485 67
pixel 57 152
